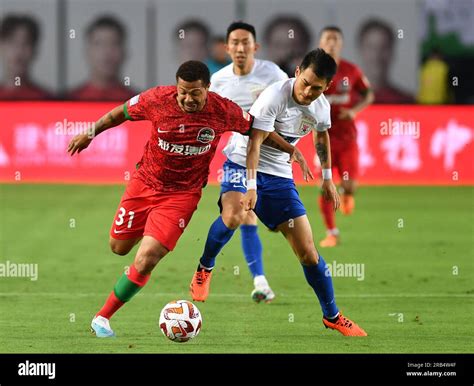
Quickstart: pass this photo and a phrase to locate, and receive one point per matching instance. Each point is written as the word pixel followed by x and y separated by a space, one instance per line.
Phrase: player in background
pixel 293 108
pixel 348 94
pixel 164 191
pixel 241 81
pixel 19 43
pixel 105 42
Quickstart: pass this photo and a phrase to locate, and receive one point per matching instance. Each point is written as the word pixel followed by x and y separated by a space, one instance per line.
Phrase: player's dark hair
pixel 376 24
pixel 299 25
pixel 107 21
pixel 11 22
pixel 194 70
pixel 241 25
pixel 331 28
pixel 322 64
pixel 195 25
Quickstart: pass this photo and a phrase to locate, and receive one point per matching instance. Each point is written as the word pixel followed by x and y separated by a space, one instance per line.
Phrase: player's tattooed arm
pixel 81 141
pixel 323 148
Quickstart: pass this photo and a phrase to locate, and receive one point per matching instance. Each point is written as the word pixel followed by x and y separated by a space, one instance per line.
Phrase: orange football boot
pixel 199 287
pixel 345 326
pixel 347 204
pixel 329 241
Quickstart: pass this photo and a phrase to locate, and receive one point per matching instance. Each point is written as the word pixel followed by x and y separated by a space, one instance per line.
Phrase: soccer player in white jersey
pixel 294 108
pixel 241 81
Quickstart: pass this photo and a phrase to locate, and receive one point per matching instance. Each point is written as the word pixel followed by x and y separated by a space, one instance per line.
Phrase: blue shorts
pixel 278 200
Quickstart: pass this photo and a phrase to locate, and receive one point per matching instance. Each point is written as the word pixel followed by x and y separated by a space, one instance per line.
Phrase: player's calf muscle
pixel 148 255
pixel 146 261
pixel 307 253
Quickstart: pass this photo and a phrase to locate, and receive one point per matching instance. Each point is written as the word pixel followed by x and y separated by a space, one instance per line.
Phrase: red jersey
pixel 181 147
pixel 28 91
pixel 347 86
pixel 90 92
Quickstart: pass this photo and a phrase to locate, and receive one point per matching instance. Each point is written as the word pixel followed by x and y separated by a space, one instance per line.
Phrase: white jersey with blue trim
pixel 276 110
pixel 244 89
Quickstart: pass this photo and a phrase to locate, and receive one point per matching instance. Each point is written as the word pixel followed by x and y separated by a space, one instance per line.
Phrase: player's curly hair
pixel 194 70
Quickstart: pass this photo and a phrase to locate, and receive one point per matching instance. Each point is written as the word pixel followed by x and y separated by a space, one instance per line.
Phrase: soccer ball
pixel 180 321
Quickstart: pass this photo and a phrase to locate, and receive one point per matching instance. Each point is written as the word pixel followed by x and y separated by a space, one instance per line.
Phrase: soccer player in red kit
pixel 164 191
pixel 348 95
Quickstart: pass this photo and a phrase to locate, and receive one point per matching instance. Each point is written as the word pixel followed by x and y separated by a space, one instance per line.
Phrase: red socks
pixel 125 288
pixel 327 211
pixel 111 306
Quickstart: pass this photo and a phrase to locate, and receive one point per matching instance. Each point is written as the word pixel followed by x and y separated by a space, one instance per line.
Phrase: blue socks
pixel 320 280
pixel 252 248
pixel 217 237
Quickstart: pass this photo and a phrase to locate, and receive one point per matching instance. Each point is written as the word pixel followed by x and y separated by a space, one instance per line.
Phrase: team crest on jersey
pixel 206 135
pixel 307 124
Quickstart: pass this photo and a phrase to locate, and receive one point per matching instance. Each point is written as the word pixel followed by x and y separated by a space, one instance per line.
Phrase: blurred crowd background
pixel 412 51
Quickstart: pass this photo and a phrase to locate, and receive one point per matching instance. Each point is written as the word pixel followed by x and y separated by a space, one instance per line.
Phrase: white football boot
pixel 100 327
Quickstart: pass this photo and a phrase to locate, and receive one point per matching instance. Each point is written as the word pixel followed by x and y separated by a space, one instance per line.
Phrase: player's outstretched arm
pixel 323 149
pixel 81 141
pixel 253 155
pixel 278 142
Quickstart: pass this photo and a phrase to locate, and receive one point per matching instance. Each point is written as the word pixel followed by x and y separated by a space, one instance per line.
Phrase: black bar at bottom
pixel 236 369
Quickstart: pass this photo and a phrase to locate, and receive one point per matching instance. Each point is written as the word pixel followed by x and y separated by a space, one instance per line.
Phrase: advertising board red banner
pixel 415 145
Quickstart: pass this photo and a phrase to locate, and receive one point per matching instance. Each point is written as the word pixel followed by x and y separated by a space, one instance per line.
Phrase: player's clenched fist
pixel 330 193
pixel 249 200
pixel 79 143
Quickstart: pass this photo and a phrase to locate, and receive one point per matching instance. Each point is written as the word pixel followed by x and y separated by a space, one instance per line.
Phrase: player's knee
pixel 308 255
pixel 233 219
pixel 250 218
pixel 119 248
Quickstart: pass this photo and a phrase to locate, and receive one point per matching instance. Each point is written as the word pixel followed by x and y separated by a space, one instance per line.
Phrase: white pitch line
pixel 240 295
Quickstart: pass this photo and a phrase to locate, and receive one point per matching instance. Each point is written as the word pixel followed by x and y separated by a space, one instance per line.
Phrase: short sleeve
pixel 264 111
pixel 323 117
pixel 136 108
pixel 237 119
pixel 324 124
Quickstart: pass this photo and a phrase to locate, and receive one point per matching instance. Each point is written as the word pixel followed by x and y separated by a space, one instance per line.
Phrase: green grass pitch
pixel 416 244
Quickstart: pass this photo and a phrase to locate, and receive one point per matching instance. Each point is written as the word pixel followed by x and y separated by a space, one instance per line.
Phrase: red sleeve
pixel 361 83
pixel 237 119
pixel 136 108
